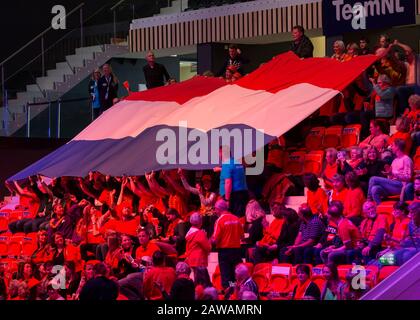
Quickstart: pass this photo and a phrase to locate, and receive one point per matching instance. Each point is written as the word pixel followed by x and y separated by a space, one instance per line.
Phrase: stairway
pixel 56 83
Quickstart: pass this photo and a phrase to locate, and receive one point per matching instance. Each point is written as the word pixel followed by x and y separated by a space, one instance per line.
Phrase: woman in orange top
pixel 305 289
pixel 339 192
pixel 317 198
pixel 114 254
pixel 198 246
pixel 403 133
pixel 87 231
pixel 400 226
pixel 355 198
pixel 63 252
pixel 43 251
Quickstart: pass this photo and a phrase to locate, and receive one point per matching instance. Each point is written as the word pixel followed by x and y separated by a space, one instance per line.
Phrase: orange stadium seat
pixel 4 246
pixel 15 215
pixel 28 246
pixel 351 135
pixel 10 265
pixel 386 271
pixel 343 270
pixel 319 281
pixel 279 283
pixel 262 282
pixel 263 268
pixel 314 139
pixel 313 162
pixel 4 221
pixel 332 137
pixel 15 246
pixel 294 163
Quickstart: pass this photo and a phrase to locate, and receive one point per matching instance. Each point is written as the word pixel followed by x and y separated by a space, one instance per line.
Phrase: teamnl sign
pixel 341 16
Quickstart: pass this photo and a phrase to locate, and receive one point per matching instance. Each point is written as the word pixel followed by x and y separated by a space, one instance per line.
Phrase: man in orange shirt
pixel 228 232
pixel 146 248
pixel 348 233
pixel 373 229
pixel 265 249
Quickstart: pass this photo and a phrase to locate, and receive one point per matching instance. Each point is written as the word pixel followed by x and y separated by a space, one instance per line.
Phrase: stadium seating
pixel 351 135
pixel 294 163
pixel 314 139
pixel 332 137
pixel 4 246
pixel 313 162
pixel 279 283
pixel 4 220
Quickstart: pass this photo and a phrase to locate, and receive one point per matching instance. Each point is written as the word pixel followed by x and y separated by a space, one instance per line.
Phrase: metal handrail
pixel 117 5
pixel 38 36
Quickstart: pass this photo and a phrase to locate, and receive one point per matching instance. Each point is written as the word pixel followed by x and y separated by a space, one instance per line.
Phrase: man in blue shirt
pixel 233 186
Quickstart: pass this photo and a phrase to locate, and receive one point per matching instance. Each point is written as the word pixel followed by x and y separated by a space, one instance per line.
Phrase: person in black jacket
pixel 155 73
pixel 235 62
pixel 108 88
pixel 301 45
pixel 100 287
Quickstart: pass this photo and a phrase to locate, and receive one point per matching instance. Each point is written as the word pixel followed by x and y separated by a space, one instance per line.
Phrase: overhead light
pixel 174 55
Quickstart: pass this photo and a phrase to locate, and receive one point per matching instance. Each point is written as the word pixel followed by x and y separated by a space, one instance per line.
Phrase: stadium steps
pixel 402 284
pixel 57 82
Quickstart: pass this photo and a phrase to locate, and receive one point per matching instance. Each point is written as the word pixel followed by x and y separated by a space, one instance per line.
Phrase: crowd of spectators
pixel 150 237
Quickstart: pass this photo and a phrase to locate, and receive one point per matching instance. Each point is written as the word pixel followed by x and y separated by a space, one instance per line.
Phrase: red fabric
pixel 180 92
pixel 287 69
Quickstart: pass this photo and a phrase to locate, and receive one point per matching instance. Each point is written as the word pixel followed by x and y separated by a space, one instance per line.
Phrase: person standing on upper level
pixel 108 88
pixel 301 45
pixel 155 73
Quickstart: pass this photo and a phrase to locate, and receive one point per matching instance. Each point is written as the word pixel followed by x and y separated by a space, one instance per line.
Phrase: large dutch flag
pixel 273 99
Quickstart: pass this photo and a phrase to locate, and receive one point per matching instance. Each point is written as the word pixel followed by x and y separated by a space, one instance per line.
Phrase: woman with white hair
pixel 198 245
pixel 339 49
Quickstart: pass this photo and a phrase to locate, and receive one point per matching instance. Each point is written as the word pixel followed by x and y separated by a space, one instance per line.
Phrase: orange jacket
pixel 197 249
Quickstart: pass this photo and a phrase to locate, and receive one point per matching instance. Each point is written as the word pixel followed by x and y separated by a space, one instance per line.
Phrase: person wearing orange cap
pixel 227 236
